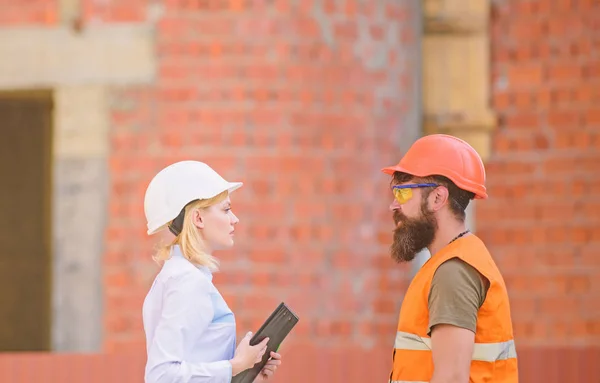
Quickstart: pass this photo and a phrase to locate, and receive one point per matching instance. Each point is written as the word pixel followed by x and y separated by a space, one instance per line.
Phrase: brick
pixel 591 118
pixel 306 258
pixel 521 143
pixel 566 119
pixel 557 257
pixel 524 30
pixel 501 55
pixel 579 284
pixel 586 94
pixel 589 210
pixel 523 260
pixel 556 211
pixel 581 48
pixel 501 101
pixel 564 27
pixel 118 324
pixel 543 99
pixel 348 30
pixel 118 278
pixel 132 11
pixel 592 70
pixel 525 76
pixel 556 306
pixel 561 97
pixel 258 302
pixel 576 140
pixel 265 256
pixel 523 100
pixel 565 72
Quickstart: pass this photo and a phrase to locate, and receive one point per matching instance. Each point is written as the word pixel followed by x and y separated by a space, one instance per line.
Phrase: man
pixel 455 323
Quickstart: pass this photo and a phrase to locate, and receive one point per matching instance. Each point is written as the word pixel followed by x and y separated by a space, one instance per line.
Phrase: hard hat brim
pixel 396 168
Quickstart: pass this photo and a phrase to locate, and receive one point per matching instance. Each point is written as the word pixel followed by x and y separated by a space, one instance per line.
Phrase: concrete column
pixel 455 79
pixel 81 123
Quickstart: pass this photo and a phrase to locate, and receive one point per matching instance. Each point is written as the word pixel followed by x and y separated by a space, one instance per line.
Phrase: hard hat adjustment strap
pixel 176 225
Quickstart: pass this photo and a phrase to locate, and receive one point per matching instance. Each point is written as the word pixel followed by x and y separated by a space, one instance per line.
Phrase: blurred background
pixel 305 101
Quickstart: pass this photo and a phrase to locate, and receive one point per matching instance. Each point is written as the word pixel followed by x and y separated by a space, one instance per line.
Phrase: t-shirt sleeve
pixel 457 292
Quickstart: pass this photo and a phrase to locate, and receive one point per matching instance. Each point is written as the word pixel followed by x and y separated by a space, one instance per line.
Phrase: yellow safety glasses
pixel 403 193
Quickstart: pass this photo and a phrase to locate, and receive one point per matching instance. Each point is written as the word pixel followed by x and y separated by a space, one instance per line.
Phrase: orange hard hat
pixel 448 156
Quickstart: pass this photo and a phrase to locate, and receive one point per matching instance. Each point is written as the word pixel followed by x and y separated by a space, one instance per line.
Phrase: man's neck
pixel 444 235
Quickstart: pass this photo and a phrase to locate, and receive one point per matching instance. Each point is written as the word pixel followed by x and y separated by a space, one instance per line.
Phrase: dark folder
pixel 277 327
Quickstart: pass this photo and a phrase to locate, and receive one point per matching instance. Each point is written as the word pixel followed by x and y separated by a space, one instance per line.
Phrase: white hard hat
pixel 177 185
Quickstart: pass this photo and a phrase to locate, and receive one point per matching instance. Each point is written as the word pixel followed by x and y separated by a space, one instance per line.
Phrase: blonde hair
pixel 190 240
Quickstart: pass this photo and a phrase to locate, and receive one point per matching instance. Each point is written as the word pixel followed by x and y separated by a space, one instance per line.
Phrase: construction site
pixel 304 101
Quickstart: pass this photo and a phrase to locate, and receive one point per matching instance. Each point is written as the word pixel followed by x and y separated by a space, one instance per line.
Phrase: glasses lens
pixel 402 195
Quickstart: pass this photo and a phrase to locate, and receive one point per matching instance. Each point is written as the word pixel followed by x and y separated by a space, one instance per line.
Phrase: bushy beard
pixel 413 234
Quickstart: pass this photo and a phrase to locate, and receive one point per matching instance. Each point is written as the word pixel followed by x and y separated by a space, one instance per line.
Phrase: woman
pixel 190 330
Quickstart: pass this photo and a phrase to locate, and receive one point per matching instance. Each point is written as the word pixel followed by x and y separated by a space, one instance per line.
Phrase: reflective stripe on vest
pixel 485 352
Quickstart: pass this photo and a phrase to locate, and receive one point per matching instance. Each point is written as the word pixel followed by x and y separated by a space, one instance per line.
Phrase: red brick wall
pixel 235 88
pixel 47 12
pixel 113 11
pixel 542 221
pixel 305 107
pixel 24 12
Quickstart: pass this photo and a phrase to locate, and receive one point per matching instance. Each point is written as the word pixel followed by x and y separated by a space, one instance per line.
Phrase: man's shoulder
pixel 456 270
pixel 458 275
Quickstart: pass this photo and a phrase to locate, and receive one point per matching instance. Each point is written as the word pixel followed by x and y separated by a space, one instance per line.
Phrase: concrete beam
pixel 50 57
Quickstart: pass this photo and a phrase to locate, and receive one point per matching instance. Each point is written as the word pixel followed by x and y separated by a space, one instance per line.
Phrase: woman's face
pixel 216 224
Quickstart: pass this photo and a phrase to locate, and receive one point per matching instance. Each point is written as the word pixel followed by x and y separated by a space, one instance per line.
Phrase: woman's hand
pixel 246 355
pixel 269 368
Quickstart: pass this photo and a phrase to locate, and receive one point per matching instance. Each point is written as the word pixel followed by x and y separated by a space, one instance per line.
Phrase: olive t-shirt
pixel 457 292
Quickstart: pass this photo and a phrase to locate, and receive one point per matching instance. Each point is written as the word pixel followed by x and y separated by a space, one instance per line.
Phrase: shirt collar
pixel 176 252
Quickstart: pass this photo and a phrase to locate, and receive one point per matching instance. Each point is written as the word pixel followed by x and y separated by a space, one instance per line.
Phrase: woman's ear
pixel 197 219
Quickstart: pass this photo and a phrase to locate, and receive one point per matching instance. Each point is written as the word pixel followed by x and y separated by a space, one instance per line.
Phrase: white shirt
pixel 190 330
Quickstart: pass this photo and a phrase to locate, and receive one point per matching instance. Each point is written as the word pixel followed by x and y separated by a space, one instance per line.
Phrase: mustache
pixel 398 217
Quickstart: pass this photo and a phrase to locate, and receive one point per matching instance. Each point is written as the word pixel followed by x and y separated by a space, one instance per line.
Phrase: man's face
pixel 416 226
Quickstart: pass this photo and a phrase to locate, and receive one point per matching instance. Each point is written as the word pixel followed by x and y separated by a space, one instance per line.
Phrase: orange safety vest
pixel 494 355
